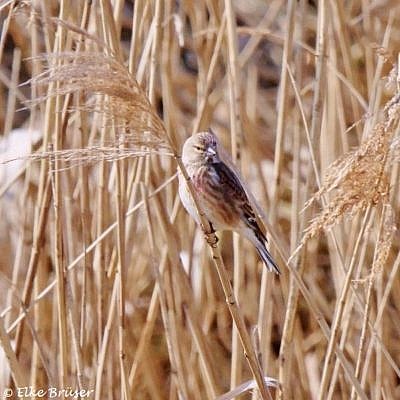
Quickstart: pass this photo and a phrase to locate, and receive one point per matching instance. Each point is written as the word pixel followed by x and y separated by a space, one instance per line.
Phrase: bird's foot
pixel 211 237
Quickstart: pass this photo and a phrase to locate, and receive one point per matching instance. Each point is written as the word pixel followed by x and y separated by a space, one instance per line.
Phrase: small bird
pixel 220 193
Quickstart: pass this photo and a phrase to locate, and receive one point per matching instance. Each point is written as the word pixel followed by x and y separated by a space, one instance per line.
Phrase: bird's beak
pixel 211 152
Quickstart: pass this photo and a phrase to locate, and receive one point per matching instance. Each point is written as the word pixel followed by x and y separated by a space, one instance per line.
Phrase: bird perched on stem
pixel 220 193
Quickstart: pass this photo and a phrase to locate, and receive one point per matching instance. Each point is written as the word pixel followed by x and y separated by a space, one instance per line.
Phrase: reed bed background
pixel 107 285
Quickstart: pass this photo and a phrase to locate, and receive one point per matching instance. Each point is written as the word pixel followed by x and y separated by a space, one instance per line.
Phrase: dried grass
pixel 360 177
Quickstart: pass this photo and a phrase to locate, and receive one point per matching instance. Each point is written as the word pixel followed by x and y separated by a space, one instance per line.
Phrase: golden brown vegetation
pixel 108 285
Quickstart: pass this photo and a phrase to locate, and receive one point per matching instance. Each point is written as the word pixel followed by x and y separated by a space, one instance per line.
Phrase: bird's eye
pixel 198 148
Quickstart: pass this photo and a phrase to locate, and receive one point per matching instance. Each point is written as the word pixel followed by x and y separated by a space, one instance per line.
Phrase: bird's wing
pixel 226 158
pixel 229 182
pixel 233 189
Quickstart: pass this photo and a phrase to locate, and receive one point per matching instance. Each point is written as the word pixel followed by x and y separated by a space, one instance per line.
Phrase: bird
pixel 220 193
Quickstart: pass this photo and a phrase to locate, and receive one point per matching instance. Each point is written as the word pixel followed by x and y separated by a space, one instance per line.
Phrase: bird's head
pixel 201 148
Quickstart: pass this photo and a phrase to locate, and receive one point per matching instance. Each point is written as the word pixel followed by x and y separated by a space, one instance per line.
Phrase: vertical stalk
pixel 236 144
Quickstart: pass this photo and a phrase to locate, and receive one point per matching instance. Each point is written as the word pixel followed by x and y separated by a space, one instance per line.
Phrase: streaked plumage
pixel 220 193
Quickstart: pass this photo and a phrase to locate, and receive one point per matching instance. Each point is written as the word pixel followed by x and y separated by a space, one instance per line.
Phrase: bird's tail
pixel 257 237
pixel 267 258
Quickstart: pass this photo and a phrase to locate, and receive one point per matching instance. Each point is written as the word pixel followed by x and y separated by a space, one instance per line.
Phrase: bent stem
pixel 211 238
pixel 230 299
